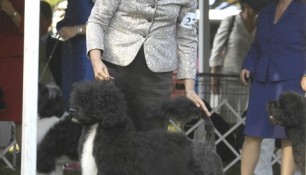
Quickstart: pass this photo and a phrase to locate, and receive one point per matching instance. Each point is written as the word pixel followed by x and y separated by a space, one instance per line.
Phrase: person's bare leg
pixel 250 154
pixel 288 165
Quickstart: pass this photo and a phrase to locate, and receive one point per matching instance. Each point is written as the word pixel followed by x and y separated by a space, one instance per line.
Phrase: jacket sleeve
pixel 251 59
pixel 217 57
pixel 304 30
pixel 187 43
pixel 98 23
pixel 253 54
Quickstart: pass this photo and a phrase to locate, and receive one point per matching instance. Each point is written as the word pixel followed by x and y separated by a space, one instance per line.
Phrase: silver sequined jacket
pixel 121 27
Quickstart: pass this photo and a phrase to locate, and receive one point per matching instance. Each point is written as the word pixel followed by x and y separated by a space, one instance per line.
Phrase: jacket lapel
pixel 291 10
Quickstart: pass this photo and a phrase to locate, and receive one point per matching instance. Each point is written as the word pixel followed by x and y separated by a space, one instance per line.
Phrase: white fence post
pixel 30 86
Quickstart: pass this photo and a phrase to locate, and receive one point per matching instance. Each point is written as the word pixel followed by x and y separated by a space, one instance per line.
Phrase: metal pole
pixel 204 47
pixel 204 32
pixel 200 35
pixel 30 86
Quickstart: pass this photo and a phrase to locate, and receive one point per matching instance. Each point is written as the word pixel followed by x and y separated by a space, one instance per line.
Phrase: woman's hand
pixel 197 101
pixel 190 94
pixel 245 76
pixel 99 68
pixel 303 83
pixel 68 32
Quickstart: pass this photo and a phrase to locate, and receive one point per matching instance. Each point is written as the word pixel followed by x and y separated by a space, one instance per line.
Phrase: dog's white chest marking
pixel 88 162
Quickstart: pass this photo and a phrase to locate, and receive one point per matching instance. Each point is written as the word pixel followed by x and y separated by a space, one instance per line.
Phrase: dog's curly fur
pixel 50 101
pixel 58 136
pixel 109 144
pixel 290 111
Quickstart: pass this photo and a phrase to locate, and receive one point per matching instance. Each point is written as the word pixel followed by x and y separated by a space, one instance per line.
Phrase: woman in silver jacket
pixel 140 43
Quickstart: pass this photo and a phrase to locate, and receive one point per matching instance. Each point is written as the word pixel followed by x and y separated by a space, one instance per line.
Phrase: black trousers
pixel 142 88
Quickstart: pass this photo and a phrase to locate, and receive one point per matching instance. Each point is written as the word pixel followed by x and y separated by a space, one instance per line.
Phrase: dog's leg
pixel 58 170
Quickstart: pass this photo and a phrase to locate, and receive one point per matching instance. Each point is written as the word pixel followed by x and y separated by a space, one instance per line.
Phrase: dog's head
pixel 179 108
pixel 289 110
pixel 98 101
pixel 50 101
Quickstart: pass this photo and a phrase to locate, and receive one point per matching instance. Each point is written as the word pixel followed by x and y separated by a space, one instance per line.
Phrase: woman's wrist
pixel 189 91
pixel 80 29
pixel 95 55
pixel 189 84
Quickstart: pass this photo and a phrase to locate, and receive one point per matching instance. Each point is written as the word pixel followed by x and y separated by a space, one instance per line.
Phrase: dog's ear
pixel 276 114
pixel 43 96
pixel 178 108
pixel 113 110
pixel 294 108
pixel 273 108
pixel 289 110
pixel 183 109
pixel 50 101
pixel 113 121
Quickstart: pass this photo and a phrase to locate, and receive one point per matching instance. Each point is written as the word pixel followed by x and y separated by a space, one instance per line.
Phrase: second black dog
pixel 290 111
pixel 57 135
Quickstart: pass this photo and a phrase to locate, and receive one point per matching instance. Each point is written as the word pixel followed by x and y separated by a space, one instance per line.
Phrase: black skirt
pixel 142 88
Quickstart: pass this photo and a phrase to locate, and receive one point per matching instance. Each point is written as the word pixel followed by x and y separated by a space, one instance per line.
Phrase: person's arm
pixel 187 52
pixel 303 83
pixel 218 51
pixel 248 66
pixel 99 68
pixel 252 57
pixel 68 32
pixel 98 22
pixel 187 43
pixel 220 42
pixel 8 8
pixel 190 93
pixel 214 79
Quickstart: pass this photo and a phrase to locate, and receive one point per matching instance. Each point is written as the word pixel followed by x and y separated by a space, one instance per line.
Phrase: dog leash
pixel 50 57
pixel 111 80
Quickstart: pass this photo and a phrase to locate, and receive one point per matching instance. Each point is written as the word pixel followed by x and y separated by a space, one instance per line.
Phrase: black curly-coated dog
pixel 57 135
pixel 110 145
pixel 290 111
